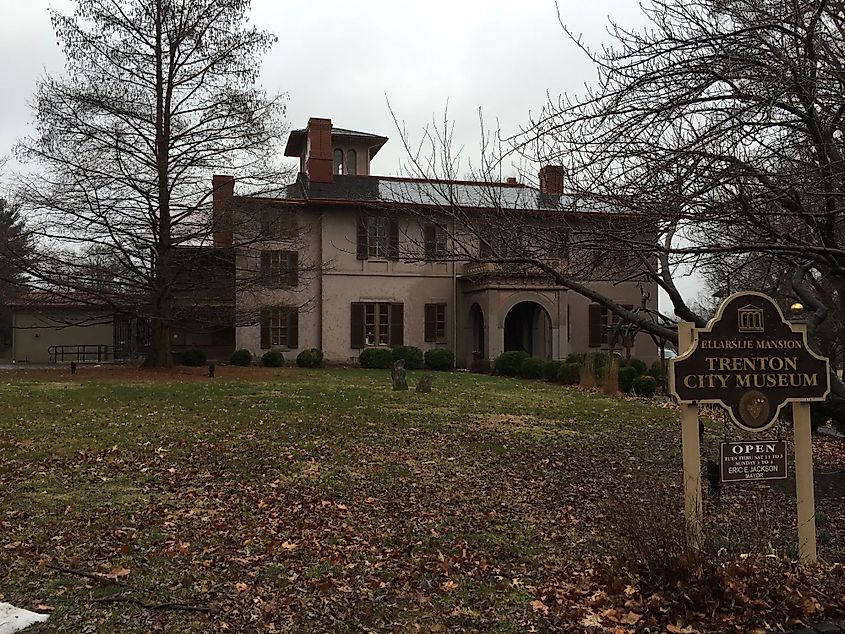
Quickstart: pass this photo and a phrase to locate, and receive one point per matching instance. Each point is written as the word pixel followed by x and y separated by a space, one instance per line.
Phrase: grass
pixel 310 500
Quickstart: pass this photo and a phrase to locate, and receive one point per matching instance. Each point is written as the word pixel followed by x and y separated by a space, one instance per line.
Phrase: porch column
pixel 495 333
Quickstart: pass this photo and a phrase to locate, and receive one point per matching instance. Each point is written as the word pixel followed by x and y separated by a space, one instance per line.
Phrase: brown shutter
pixel 362 237
pixel 484 250
pixel 563 244
pixel 594 325
pixel 356 331
pixel 393 239
pixel 431 322
pixel 264 275
pixel 430 241
pixel 397 325
pixel 265 328
pixel 293 328
pixel 293 269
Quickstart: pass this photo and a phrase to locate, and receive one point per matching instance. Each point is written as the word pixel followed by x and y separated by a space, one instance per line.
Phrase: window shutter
pixel 430 241
pixel 265 329
pixel 563 244
pixel 264 274
pixel 356 331
pixel 393 239
pixel 594 325
pixel 293 269
pixel 484 241
pixel 430 322
pixel 397 325
pixel 293 328
pixel 362 237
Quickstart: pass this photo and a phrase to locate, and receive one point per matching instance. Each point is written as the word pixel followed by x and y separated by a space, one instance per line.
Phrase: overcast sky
pixel 345 60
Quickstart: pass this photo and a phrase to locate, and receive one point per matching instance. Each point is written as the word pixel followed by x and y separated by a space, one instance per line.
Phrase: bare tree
pixel 719 130
pixel 486 218
pixel 156 95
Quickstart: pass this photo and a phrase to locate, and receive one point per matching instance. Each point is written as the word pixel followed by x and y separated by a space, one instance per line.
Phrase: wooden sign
pixel 751 361
pixel 757 460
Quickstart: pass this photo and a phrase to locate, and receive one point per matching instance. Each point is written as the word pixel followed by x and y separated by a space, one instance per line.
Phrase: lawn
pixel 297 501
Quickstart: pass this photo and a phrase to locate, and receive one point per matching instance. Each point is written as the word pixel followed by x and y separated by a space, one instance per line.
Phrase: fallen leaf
pixel 539 606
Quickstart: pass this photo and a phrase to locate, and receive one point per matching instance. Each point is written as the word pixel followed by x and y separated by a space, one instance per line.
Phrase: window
pixel 275 224
pixel 378 237
pixel 435 322
pixel 279 268
pixel 337 168
pixel 601 323
pixel 279 327
pixel 376 324
pixel 351 162
pixel 434 237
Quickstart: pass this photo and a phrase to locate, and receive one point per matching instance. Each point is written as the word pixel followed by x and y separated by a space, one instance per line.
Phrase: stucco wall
pixel 326 298
pixel 35 332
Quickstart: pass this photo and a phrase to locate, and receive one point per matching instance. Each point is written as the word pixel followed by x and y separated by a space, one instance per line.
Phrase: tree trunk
pixel 160 354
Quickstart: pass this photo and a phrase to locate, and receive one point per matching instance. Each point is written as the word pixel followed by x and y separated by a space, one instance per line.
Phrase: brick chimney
pixel 222 193
pixel 318 151
pixel 551 179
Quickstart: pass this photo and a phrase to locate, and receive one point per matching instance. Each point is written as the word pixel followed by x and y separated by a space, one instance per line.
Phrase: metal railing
pixel 81 353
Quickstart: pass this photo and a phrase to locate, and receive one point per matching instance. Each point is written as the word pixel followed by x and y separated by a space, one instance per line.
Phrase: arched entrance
pixel 528 327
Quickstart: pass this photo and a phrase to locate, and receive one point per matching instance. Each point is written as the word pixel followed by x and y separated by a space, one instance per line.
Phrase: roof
pixel 298 138
pixel 51 299
pixel 422 192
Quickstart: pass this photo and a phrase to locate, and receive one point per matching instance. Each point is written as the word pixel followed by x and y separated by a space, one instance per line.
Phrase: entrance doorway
pixel 528 328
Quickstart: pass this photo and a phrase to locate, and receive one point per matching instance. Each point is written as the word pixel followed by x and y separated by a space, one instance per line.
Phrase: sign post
pixel 752 362
pixel 692 452
pixel 804 482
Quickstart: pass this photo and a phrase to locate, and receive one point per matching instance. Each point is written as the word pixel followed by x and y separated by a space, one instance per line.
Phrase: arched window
pixel 338 161
pixel 351 162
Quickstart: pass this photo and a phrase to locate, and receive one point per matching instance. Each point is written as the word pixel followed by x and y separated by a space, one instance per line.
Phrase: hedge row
pixel 634 375
pixel 384 358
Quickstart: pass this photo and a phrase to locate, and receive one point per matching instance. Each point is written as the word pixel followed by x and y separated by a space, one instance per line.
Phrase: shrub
pixel 644 385
pixel 588 376
pixel 833 410
pixel 657 373
pixel 272 359
pixel 192 357
pixel 241 357
pixel 509 363
pixel 627 375
pixel 379 358
pixel 576 358
pixel 569 373
pixel 439 359
pixel 610 380
pixel 413 356
pixel 310 358
pixel 600 360
pixel 637 364
pixel 531 368
pixel 551 369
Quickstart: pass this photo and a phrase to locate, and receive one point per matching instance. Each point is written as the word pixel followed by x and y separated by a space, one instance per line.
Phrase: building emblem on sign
pixel 754 409
pixel 750 360
pixel 750 319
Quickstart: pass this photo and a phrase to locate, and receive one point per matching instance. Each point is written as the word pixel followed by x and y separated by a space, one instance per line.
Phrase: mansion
pixel 346 259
